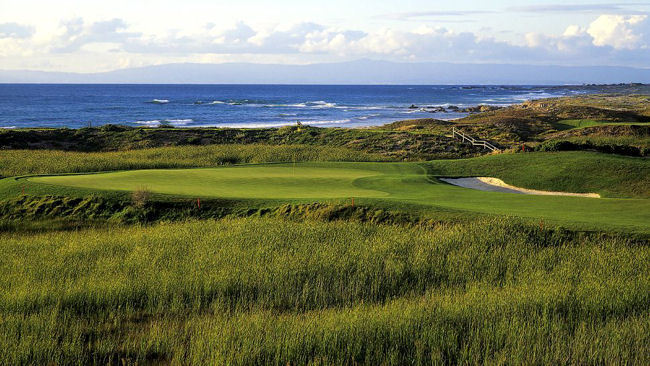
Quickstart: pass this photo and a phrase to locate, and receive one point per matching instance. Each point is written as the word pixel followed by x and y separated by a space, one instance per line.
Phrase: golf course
pixel 303 245
pixel 367 183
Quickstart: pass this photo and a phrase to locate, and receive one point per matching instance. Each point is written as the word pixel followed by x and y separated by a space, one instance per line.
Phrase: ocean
pixel 76 106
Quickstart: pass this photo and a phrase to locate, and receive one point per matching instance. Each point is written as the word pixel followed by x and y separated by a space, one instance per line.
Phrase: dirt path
pixel 490 184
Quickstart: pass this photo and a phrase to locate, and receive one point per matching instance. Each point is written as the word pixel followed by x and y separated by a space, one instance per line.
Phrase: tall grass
pixel 622 145
pixel 264 291
pixel 22 162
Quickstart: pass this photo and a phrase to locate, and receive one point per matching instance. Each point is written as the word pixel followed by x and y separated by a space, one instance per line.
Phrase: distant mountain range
pixel 355 72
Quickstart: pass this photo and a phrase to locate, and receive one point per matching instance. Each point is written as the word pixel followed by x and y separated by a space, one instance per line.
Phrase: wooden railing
pixel 473 141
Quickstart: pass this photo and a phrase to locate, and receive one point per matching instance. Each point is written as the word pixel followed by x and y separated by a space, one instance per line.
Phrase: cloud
pixel 621 32
pixel 575 46
pixel 431 14
pixel 582 8
pixel 75 34
pixel 240 33
pixel 609 39
pixel 15 30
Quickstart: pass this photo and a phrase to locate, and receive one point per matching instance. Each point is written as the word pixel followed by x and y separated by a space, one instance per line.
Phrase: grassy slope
pixel 533 121
pixel 274 292
pixel 579 172
pixel 631 139
pixel 395 185
pixel 23 162
pixel 391 143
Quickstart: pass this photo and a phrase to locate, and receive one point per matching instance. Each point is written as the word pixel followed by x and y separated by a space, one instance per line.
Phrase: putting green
pixel 269 181
pixel 391 183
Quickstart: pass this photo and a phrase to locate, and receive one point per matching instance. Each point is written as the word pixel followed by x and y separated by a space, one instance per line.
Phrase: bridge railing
pixel 473 141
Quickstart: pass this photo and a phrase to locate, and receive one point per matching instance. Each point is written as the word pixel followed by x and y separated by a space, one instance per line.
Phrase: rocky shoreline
pixel 456 109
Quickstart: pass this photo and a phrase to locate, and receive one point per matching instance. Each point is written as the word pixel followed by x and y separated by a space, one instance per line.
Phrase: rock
pixel 488 108
pixel 479 109
pixel 413 106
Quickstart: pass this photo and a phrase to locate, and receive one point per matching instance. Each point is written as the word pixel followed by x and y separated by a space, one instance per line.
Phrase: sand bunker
pixel 497 185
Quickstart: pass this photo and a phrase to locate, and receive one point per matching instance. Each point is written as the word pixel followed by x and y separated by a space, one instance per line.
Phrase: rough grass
pixel 22 162
pixel 260 291
pixel 393 144
pixel 532 121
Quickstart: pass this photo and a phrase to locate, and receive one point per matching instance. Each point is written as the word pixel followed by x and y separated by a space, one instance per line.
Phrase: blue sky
pixel 89 36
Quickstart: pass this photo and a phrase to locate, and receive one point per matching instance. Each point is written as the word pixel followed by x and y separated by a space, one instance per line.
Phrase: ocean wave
pixel 534 95
pixel 274 124
pixel 246 125
pixel 245 102
pixel 159 101
pixel 179 122
pixel 326 122
pixel 445 105
pixel 8 127
pixel 296 105
pixel 321 104
pixel 363 118
pixel 154 122
pixel 159 122
pixel 318 104
pixel 363 108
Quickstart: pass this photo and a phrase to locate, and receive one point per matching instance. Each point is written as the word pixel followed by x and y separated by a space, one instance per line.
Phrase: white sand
pixel 497 185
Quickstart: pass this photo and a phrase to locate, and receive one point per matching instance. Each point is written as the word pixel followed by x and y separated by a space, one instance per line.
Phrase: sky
pixel 95 36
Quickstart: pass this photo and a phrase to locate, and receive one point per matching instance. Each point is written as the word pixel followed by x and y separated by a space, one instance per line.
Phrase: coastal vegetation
pixel 393 144
pixel 263 291
pixel 304 245
pixel 24 162
pixel 605 123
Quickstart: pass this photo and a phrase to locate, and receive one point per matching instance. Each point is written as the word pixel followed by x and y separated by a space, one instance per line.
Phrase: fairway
pixel 389 183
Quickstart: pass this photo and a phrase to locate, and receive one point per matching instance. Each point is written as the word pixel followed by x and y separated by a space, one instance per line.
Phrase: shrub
pixel 140 197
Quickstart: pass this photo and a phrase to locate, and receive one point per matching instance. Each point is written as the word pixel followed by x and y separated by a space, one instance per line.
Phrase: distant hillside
pixel 355 72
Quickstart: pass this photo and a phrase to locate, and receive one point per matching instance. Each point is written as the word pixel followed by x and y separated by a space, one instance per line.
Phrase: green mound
pixel 393 185
pixel 265 181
